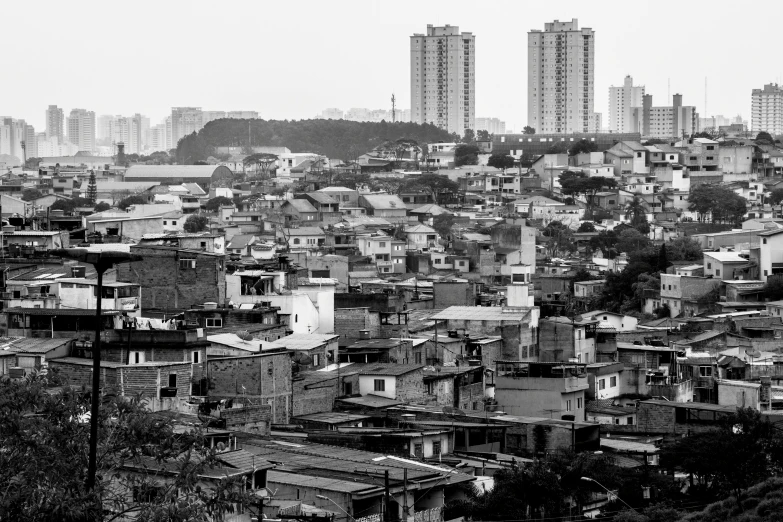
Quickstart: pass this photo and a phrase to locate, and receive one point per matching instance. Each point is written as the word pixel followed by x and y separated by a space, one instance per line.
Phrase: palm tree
pixel 636 211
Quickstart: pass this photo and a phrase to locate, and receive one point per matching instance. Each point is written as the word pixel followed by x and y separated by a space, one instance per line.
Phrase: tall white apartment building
pixel 670 121
pixel 156 138
pixel 12 135
pixel 55 123
pixel 767 109
pixel 491 125
pixel 81 129
pixel 332 114
pixel 208 116
pixel 443 78
pixel 103 127
pixel 622 101
pixel 561 67
pixel 132 131
pixel 184 121
pixel 242 115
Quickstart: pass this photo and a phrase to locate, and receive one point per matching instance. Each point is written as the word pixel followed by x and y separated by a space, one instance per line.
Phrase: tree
pixel 559 239
pixel 559 147
pixel 578 183
pixel 581 147
pixel 631 240
pixel 528 130
pixel 102 207
pixel 351 180
pixel 32 163
pixel 195 223
pixel 745 449
pixel 466 154
pixel 92 188
pixel 776 196
pixel 442 223
pixel 620 294
pixel 684 249
pixel 722 204
pixel 131 200
pixel 586 226
pixel 215 203
pixel 43 465
pixel 636 211
pixel 470 136
pixel 501 161
pixel 764 138
pixel 434 184
pixel 263 160
pixel 483 135
pixel 663 260
pixel 31 194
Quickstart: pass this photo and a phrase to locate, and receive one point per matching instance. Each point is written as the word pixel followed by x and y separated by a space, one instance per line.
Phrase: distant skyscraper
pixel 242 115
pixel 157 138
pixel 491 125
pixel 12 133
pixel 332 114
pixel 561 64
pixel 622 101
pixel 55 123
pixel 185 121
pixel 767 109
pixel 81 129
pixel 103 128
pixel 208 116
pixel 443 78
pixel 671 121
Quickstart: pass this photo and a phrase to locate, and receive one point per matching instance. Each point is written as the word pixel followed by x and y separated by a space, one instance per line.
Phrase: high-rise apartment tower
pixel 622 102
pixel 561 66
pixel 443 78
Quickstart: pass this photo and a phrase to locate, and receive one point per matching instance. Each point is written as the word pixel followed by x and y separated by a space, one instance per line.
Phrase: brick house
pixel 404 382
pixel 175 278
pixel 261 378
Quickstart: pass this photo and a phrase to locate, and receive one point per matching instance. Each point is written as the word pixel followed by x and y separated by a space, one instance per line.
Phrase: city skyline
pixel 501 63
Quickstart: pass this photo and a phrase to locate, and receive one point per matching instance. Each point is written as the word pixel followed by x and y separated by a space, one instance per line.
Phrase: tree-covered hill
pixel 334 138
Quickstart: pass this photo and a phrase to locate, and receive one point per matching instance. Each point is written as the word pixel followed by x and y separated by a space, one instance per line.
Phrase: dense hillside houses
pixel 441 323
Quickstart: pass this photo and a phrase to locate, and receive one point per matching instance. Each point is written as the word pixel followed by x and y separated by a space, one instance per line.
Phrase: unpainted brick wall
pixel 81 375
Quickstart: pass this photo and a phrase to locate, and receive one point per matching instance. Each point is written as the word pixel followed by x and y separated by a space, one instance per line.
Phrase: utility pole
pixel 386 500
pixel 394 109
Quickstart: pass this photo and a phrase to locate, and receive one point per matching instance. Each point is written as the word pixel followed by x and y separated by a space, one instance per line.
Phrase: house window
pixel 172 380
pixel 296 241
pixel 601 384
pixel 382 244
pixel 418 451
pixel 214 322
pixel 136 357
pixel 436 448
pixel 194 357
pixel 612 382
pixel 578 403
pixel 709 266
pixel 705 371
pixel 347 388
pixel 629 420
pixel 717 271
pixel 417 357
pixel 568 405
pixel 316 360
pixel 184 264
pixel 379 385
pixel 765 240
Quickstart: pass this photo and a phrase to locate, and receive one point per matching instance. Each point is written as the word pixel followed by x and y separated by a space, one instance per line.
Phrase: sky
pixel 291 59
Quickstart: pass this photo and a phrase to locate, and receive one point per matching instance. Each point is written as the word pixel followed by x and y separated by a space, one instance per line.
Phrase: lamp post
pixel 324 497
pixel 588 479
pixel 102 261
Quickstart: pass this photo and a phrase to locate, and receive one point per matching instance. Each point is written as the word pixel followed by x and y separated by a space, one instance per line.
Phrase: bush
pixel 196 223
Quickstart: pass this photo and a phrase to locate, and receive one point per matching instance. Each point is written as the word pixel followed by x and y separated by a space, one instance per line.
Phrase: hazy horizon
pixel 291 61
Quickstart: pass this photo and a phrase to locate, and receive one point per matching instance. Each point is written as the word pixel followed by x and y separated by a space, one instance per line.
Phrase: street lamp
pixel 102 261
pixel 588 479
pixel 324 497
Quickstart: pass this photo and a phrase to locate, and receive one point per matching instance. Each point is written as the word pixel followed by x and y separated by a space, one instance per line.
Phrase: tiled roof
pixel 482 313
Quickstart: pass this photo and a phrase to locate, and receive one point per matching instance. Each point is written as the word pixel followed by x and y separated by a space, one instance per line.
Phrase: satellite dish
pixel 244 335
pixel 302 358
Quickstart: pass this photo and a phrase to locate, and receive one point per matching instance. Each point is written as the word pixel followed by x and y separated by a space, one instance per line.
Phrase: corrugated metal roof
pixel 482 313
pixel 167 172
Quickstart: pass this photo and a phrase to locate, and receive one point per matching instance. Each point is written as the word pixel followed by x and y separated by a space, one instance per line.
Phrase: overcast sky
pixel 291 59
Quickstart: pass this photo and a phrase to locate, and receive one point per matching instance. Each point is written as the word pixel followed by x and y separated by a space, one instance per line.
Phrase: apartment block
pixel 622 101
pixel 767 109
pixel 184 121
pixel 55 122
pixel 672 121
pixel 443 78
pixel 81 129
pixel 561 65
pixel 491 125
